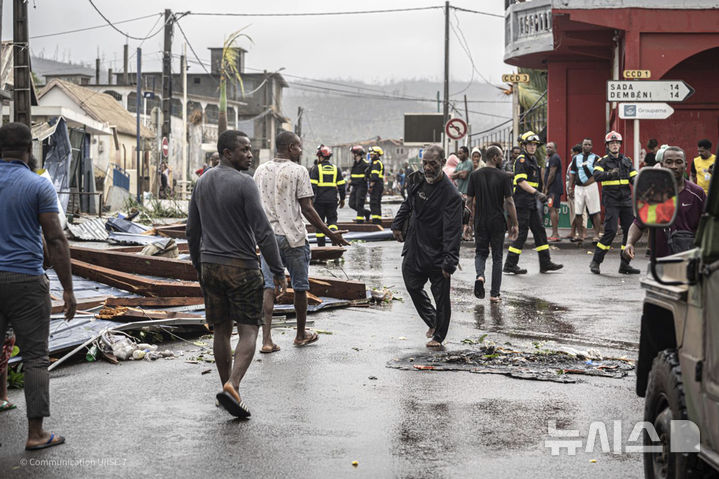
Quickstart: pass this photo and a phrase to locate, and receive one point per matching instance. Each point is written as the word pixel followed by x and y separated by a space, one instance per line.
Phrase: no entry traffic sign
pixel 165 147
pixel 456 128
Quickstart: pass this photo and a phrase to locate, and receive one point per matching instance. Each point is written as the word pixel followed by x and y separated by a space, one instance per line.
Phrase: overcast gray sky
pixel 373 48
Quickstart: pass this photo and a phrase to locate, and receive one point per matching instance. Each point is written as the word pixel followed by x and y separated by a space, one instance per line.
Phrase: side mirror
pixel 655 197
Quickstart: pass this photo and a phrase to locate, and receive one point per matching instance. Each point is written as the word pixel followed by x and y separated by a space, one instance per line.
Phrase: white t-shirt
pixel 282 183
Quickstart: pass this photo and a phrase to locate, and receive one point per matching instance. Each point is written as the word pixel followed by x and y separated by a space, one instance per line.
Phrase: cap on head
pixel 530 137
pixel 612 136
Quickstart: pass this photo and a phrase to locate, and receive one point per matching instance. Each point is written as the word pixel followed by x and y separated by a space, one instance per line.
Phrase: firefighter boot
pixel 545 263
pixel 594 267
pixel 510 265
pixel 626 268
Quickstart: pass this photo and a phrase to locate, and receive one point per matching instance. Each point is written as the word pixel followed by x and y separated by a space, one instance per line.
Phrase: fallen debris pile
pixel 541 365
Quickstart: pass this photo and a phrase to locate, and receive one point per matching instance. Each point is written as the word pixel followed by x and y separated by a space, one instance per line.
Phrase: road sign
pixel 648 91
pixel 456 128
pixel 645 111
pixel 637 74
pixel 516 78
pixel 165 147
pixel 149 95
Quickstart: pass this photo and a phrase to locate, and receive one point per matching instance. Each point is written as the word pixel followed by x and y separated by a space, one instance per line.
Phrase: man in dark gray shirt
pixel 225 222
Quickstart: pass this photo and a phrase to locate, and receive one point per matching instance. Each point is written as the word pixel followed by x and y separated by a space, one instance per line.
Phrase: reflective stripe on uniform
pixel 531 183
pixel 623 247
pixel 602 246
pixel 332 227
pixel 598 168
pixel 632 174
pixel 325 170
pixel 376 217
pixel 514 250
pixel 314 182
pixel 615 182
pixel 355 175
pixel 320 235
pixel 521 176
pixel 541 248
pixel 359 217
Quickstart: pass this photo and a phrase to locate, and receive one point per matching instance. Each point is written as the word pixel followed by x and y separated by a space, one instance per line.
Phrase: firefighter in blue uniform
pixel 375 176
pixel 327 181
pixel 527 190
pixel 358 184
pixel 615 172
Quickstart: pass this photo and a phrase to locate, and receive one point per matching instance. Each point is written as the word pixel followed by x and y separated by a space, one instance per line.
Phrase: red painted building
pixel 584 43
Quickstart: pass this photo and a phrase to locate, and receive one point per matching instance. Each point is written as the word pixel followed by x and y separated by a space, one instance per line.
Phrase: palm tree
pixel 229 72
pixel 533 103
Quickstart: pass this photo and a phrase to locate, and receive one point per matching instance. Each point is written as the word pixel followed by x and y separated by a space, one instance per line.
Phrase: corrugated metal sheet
pixel 90 230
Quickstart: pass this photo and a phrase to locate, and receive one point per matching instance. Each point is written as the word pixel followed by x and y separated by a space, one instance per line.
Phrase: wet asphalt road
pixel 315 410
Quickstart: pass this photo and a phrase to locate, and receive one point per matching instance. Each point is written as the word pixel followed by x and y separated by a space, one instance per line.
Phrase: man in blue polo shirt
pixel 29 203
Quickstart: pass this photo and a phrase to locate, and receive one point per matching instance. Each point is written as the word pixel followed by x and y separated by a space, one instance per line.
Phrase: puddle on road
pixel 523 313
pixel 541 364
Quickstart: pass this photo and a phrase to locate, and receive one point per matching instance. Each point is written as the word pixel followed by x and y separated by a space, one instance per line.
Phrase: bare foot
pixel 430 332
pixel 434 344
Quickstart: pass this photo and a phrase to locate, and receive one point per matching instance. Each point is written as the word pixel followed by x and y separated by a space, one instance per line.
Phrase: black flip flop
pixel 49 443
pixel 237 409
pixel 479 288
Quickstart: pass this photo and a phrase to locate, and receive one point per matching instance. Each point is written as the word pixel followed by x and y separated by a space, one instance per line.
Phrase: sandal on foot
pixel 495 299
pixel 310 337
pixel 53 441
pixel 6 406
pixel 231 402
pixel 273 349
pixel 434 344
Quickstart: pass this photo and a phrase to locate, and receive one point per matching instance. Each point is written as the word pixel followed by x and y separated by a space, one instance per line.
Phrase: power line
pixel 85 29
pixel 127 35
pixel 314 14
pixel 467 10
pixel 192 49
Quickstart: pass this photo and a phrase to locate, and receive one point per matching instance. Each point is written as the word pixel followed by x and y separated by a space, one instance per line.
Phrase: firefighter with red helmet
pixel 327 181
pixel 358 184
pixel 615 172
pixel 527 191
pixel 375 176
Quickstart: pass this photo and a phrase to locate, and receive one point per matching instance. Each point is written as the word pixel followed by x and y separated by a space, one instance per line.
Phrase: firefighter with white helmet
pixel 358 184
pixel 327 181
pixel 615 172
pixel 375 176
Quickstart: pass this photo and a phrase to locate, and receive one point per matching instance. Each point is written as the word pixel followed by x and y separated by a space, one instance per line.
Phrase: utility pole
pixel 125 65
pixel 298 126
pixel 97 71
pixel 21 73
pixel 515 113
pixel 183 67
pixel 445 112
pixel 167 76
pixel 138 94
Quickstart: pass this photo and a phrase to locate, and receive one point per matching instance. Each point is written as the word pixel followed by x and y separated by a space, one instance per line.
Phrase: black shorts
pixel 232 294
pixel 556 199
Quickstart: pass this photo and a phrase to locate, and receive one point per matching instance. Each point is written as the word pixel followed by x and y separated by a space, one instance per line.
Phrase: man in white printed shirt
pixel 286 194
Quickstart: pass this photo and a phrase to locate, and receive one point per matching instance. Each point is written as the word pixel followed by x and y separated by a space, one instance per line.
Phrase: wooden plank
pixel 135 284
pixel 136 263
pixel 289 298
pixel 82 304
pixel 124 314
pixel 154 302
pixel 318 253
pixel 337 288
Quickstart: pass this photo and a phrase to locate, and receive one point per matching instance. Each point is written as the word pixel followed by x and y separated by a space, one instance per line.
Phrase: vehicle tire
pixel 665 402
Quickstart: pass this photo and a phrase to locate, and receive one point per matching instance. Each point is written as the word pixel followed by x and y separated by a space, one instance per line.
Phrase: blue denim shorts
pixel 297 262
